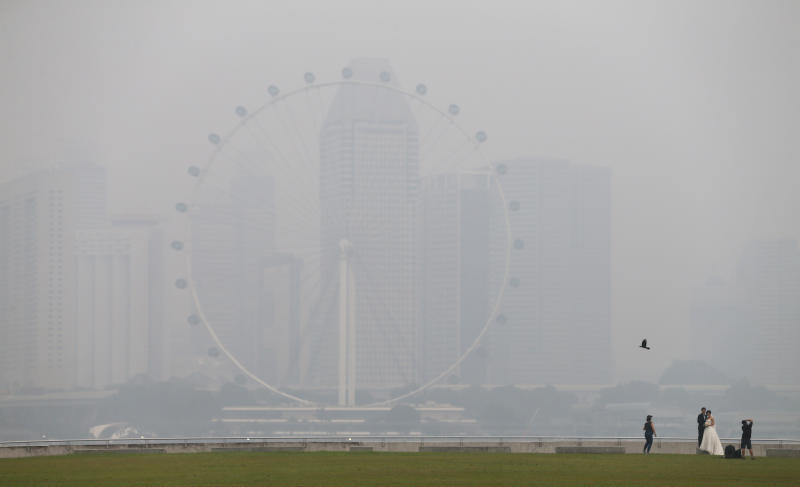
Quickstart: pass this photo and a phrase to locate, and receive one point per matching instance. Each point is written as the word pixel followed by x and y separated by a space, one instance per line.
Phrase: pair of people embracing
pixel 707 437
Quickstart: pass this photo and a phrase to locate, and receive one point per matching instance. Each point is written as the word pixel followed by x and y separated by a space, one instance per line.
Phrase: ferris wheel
pixel 332 234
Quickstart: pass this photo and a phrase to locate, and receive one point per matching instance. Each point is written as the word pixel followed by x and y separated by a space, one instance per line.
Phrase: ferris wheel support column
pixel 347 350
pixel 351 339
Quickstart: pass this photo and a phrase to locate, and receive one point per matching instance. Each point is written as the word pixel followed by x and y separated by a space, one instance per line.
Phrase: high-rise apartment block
pixel 38 218
pixel 77 301
pixel 119 312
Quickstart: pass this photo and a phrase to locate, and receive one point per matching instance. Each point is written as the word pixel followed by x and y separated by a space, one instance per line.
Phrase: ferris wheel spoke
pixel 302 152
pixel 416 112
pixel 428 120
pixel 305 128
pixel 382 314
pixel 455 157
pixel 245 162
pixel 264 134
pixel 306 207
pixel 321 111
pixel 323 306
pixel 316 119
pixel 260 136
pixel 439 125
pixel 364 275
pixel 278 133
pixel 431 144
pixel 371 312
pixel 322 291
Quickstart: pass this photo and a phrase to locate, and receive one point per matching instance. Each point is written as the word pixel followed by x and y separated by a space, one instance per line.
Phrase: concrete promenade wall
pixel 771 448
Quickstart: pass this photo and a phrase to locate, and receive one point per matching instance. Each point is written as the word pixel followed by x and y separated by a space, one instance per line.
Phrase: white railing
pixel 419 439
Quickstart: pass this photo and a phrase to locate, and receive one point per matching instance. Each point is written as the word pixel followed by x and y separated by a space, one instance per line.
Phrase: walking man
pixel 747 432
pixel 701 426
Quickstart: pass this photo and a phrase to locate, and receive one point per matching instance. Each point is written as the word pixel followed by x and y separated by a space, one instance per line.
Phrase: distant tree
pixel 550 401
pixel 472 399
pixel 402 414
pixel 174 407
pixel 678 396
pixel 234 394
pixel 364 397
pixel 498 415
pixel 742 395
pixel 399 391
pixel 692 372
pixel 636 391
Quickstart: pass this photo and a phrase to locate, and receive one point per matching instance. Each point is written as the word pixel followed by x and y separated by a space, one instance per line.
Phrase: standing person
pixel 747 432
pixel 701 426
pixel 711 442
pixel 649 431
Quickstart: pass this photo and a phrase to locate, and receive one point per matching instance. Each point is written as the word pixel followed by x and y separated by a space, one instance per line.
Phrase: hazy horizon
pixel 693 107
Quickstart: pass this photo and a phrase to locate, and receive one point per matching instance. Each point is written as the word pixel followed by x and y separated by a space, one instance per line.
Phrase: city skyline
pixel 690 104
pixel 233 237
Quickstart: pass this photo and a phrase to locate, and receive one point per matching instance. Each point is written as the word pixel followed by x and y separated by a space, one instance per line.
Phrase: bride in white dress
pixel 711 442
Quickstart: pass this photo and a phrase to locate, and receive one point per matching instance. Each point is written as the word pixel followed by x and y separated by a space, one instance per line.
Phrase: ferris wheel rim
pixel 223 141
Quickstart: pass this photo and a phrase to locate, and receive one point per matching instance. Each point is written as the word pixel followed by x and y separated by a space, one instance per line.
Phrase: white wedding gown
pixel 711 442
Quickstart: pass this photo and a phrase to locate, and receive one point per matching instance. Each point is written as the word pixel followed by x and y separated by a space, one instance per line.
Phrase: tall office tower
pixel 39 215
pixel 231 241
pixel 719 310
pixel 555 321
pixel 369 184
pixel 279 311
pixel 769 277
pixel 119 331
pixel 454 215
pixel 752 322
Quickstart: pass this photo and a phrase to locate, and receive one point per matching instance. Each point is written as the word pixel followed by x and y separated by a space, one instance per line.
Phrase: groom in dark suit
pixel 701 425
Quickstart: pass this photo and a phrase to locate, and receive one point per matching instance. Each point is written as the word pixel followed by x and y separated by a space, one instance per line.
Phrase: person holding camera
pixel 747 432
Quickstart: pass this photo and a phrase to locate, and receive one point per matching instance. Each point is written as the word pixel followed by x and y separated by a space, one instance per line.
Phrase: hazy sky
pixel 693 104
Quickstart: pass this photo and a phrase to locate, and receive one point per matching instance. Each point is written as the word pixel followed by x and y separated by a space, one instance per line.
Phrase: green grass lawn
pixel 387 469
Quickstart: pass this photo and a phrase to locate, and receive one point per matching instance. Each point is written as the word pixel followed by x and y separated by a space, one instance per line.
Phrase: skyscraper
pixel 119 311
pixel 753 321
pixel 769 274
pixel 369 178
pixel 39 215
pixel 455 298
pixel 555 321
pixel 149 231
pixel 232 242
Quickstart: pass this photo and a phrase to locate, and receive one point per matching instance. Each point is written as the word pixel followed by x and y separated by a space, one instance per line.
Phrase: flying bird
pixel 644 344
